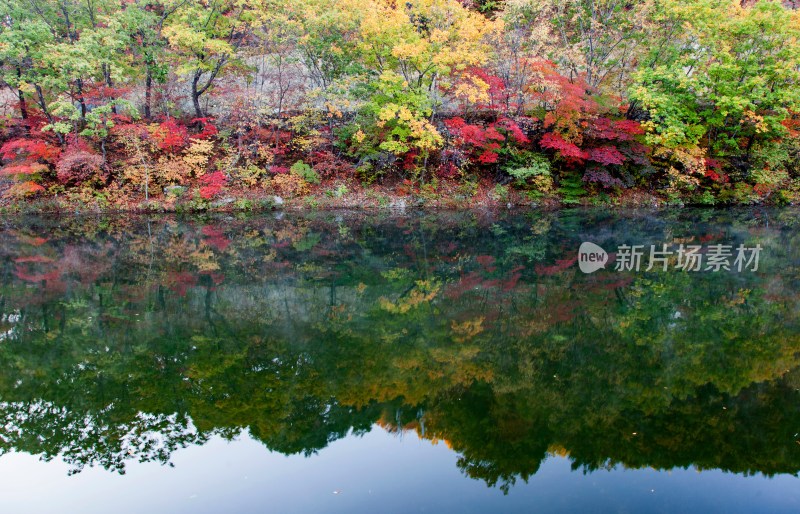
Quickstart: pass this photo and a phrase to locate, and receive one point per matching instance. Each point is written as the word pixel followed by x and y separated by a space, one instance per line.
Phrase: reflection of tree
pixel 131 338
pixel 93 438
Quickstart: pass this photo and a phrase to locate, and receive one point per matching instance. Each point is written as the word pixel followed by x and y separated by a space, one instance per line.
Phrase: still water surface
pixel 398 363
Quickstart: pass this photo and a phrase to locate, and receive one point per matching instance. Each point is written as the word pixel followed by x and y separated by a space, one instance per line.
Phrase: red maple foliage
pixel 447 170
pixel 25 189
pixel 606 155
pixel 513 130
pixel 170 136
pixel 208 130
pixel 566 150
pixel 22 170
pixel 568 100
pixel 714 170
pixel 483 144
pixel 212 184
pixel 77 166
pixel 614 130
pixel 101 93
pixel 30 149
pixel 409 161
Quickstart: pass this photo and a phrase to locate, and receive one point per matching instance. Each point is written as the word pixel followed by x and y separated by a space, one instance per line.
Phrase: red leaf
pixel 606 155
pixel 212 184
pixel 565 149
pixel 31 149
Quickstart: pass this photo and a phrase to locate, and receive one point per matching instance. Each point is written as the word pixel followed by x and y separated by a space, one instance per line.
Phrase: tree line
pixel 688 99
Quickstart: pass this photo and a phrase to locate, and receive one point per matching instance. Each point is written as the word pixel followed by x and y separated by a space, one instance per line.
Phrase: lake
pixel 401 362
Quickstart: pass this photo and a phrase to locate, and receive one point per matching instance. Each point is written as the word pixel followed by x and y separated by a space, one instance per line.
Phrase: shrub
pixel 706 198
pixel 602 177
pixel 208 128
pixel 249 175
pixel 170 170
pixel 24 171
pixel 338 192
pixel 30 149
pixel 500 192
pixel 368 173
pixel 26 168
pixel 485 145
pixel 328 165
pixel 571 188
pixel 24 189
pixel 212 184
pixel 170 136
pixel 197 155
pixel 568 151
pixel 78 166
pixel 290 185
pixel 305 172
pixel 538 165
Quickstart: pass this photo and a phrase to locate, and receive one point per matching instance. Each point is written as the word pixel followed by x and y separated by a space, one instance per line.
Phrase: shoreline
pixel 358 198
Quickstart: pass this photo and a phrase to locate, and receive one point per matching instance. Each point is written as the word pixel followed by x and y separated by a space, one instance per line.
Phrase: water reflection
pixel 125 338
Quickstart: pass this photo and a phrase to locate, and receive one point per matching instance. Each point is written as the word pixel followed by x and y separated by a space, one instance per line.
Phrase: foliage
pixel 196 156
pixel 571 188
pixel 725 85
pixel 289 184
pixel 78 166
pixel 35 150
pixel 170 136
pixel 395 120
pixel 305 172
pixel 29 163
pixel 329 165
pixel 212 184
pixel 250 175
pixel 570 152
pixel 535 175
pixel 676 97
pixel 485 145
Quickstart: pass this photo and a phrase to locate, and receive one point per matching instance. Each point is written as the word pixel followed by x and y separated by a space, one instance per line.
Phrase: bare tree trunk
pixel 196 95
pixel 23 107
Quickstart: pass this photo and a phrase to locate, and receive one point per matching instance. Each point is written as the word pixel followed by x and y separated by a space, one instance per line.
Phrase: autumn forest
pixel 176 104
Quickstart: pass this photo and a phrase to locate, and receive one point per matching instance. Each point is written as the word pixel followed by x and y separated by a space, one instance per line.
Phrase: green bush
pixel 305 172
pixel 531 171
pixel 571 188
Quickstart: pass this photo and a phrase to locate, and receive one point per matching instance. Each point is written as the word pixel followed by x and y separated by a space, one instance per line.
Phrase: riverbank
pixel 345 195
